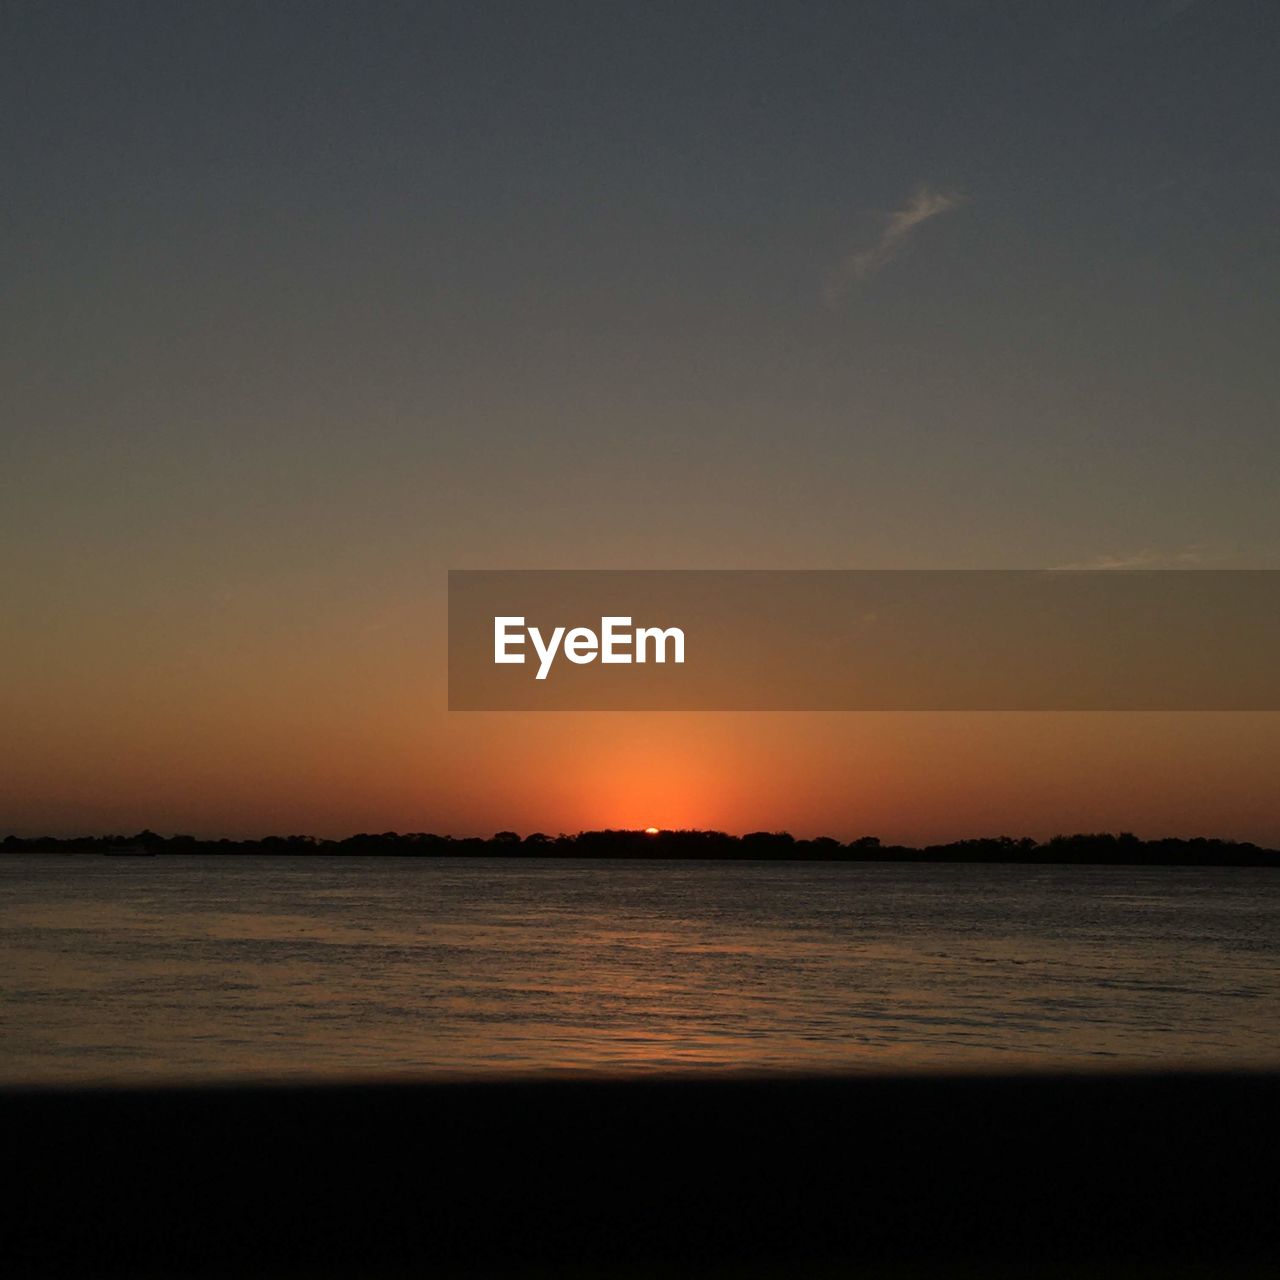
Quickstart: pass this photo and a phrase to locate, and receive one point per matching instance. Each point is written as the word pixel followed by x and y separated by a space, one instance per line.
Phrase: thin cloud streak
pixel 1190 558
pixel 925 203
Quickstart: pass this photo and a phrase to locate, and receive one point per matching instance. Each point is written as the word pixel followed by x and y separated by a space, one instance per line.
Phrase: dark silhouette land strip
pixel 1084 849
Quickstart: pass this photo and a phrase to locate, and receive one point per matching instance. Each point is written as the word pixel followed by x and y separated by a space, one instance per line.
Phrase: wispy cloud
pixel 900 226
pixel 1189 558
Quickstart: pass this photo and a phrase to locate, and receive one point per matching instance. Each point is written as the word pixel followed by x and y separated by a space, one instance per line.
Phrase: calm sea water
pixel 199 968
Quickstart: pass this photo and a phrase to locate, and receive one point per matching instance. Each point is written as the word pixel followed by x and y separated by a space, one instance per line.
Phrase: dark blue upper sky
pixel 549 250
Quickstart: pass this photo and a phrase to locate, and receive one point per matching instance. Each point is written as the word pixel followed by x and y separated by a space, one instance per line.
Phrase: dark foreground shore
pixel 1041 1175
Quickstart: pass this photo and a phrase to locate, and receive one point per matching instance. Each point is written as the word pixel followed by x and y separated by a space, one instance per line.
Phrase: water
pixel 120 969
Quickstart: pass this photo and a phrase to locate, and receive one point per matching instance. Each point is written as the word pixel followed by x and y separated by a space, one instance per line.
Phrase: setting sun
pixel 651 831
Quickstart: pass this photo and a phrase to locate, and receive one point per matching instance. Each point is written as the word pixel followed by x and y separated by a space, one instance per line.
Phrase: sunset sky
pixel 307 303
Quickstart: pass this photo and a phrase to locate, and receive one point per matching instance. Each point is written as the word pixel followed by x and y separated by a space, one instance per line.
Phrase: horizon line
pixel 653 835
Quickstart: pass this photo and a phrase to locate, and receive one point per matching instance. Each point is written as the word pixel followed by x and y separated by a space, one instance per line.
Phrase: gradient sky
pixel 306 303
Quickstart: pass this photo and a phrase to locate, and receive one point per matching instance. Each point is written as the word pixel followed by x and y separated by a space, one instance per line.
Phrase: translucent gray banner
pixel 864 640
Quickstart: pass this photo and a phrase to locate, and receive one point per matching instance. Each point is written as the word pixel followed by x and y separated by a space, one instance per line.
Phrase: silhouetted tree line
pixel 1120 850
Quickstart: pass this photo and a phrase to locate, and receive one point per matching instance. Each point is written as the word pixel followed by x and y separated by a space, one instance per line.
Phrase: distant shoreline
pixel 1083 849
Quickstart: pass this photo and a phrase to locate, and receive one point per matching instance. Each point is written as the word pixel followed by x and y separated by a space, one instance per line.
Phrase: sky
pixel 306 304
